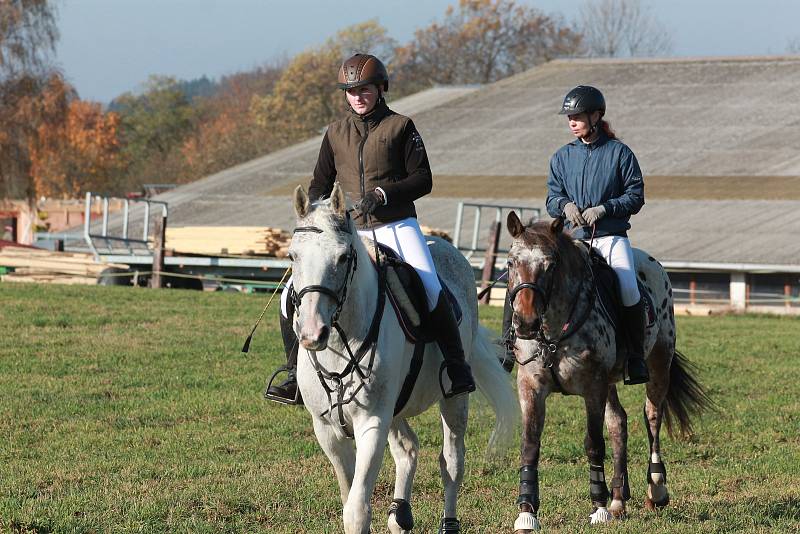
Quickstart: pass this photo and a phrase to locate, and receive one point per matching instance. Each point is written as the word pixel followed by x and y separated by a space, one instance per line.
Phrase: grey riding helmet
pixel 583 99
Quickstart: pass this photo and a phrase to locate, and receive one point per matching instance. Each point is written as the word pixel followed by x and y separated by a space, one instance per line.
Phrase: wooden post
pixel 158 252
pixel 491 256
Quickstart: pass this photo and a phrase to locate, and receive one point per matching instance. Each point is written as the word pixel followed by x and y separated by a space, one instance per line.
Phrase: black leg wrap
pixel 598 490
pixel 622 482
pixel 529 487
pixel 402 513
pixel 450 525
pixel 656 468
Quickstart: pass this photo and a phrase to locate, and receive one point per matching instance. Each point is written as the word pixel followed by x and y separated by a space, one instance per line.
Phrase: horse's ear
pixel 557 225
pixel 301 202
pixel 338 202
pixel 514 225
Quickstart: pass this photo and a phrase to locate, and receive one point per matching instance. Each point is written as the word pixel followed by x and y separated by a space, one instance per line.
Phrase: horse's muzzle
pixel 316 339
pixel 526 329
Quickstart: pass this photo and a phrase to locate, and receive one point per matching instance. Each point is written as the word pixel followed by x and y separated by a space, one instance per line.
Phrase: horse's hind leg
pixel 655 404
pixel 341 454
pixel 617 423
pixel 404 445
pixel 455 412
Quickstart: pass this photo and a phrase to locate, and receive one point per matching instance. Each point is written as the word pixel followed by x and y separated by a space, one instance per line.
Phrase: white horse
pixel 336 287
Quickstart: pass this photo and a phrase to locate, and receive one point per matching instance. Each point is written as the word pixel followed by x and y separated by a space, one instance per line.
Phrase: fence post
pixel 158 251
pixel 488 262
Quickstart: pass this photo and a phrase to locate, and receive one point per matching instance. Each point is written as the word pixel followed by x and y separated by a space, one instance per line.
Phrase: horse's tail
pixel 686 397
pixel 495 384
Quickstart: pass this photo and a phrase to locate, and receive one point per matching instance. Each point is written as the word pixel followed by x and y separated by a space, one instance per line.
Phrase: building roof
pixel 712 119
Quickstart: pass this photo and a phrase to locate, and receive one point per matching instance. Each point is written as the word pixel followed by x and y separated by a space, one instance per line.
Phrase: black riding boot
pixel 286 392
pixel 635 366
pixel 508 338
pixel 449 341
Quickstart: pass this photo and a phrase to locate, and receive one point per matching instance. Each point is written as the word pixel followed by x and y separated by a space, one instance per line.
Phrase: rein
pixel 547 346
pixel 369 344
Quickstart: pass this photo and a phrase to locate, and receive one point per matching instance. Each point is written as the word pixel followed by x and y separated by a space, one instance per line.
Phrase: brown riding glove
pixel 573 214
pixel 592 215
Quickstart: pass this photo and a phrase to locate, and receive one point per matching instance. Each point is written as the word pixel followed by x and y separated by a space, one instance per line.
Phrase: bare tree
pixel 793 46
pixel 618 28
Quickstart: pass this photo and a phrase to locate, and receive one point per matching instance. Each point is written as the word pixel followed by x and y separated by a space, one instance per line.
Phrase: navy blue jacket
pixel 601 173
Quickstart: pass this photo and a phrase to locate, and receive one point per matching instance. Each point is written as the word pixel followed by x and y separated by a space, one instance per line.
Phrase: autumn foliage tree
pixel 78 154
pixel 305 97
pixel 27 39
pixel 482 41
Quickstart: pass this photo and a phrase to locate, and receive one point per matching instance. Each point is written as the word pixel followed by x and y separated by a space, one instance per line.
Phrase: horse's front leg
pixel 595 447
pixel 533 391
pixel 455 412
pixel 371 434
pixel 617 423
pixel 340 452
pixel 404 444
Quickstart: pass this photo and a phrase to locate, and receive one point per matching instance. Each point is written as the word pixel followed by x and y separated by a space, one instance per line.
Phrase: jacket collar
pixel 375 115
pixel 600 141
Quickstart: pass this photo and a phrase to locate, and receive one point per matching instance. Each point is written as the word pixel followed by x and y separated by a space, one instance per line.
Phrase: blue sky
pixel 108 47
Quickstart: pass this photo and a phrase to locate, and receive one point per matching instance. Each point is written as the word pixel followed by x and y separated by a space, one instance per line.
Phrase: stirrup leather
pixel 277 398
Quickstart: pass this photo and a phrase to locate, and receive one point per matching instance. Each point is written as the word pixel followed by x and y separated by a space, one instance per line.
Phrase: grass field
pixel 125 410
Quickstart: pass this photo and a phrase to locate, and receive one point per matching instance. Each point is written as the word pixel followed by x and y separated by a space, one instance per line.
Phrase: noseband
pixel 542 294
pixel 338 296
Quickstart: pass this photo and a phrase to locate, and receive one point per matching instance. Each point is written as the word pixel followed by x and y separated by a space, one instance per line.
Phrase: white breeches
pixel 406 239
pixel 617 252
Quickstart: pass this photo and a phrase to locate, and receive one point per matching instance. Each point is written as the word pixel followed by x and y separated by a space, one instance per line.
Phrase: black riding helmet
pixel 583 99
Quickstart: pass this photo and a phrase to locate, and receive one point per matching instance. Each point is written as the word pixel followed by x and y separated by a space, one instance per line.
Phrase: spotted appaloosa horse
pixel 566 342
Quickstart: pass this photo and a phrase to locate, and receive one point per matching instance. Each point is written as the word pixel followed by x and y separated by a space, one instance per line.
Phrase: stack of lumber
pixel 234 240
pixel 427 230
pixel 37 265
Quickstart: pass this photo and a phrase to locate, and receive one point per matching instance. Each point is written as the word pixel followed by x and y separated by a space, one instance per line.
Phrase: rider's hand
pixel 573 214
pixel 592 215
pixel 370 202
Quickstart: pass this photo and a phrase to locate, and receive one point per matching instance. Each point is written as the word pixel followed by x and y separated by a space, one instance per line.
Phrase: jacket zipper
pixel 361 157
pixel 583 176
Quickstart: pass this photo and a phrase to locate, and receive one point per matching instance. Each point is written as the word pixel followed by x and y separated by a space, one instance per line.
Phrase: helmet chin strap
pixel 593 127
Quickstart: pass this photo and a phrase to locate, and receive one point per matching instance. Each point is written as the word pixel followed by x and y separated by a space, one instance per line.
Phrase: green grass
pixel 125 410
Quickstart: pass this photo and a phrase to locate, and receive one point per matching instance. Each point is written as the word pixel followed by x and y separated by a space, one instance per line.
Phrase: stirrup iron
pixel 298 400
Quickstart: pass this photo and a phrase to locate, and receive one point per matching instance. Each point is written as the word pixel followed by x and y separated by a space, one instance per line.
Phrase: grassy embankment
pixel 126 410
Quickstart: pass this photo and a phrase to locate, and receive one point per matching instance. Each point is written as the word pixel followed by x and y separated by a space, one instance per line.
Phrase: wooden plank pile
pixel 37 265
pixel 427 230
pixel 233 240
pixel 241 240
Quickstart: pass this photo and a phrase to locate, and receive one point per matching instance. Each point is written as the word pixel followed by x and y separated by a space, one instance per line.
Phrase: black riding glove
pixel 371 201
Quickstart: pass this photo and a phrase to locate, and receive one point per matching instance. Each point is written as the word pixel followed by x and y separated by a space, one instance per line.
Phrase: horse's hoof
pixel 617 509
pixel 600 516
pixel 526 523
pixel 657 497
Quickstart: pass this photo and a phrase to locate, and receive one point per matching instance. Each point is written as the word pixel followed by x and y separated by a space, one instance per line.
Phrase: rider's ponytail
pixel 606 127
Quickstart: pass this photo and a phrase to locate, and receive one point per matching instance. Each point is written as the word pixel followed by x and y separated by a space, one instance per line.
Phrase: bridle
pixel 548 346
pixel 543 295
pixel 369 344
pixel 338 296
